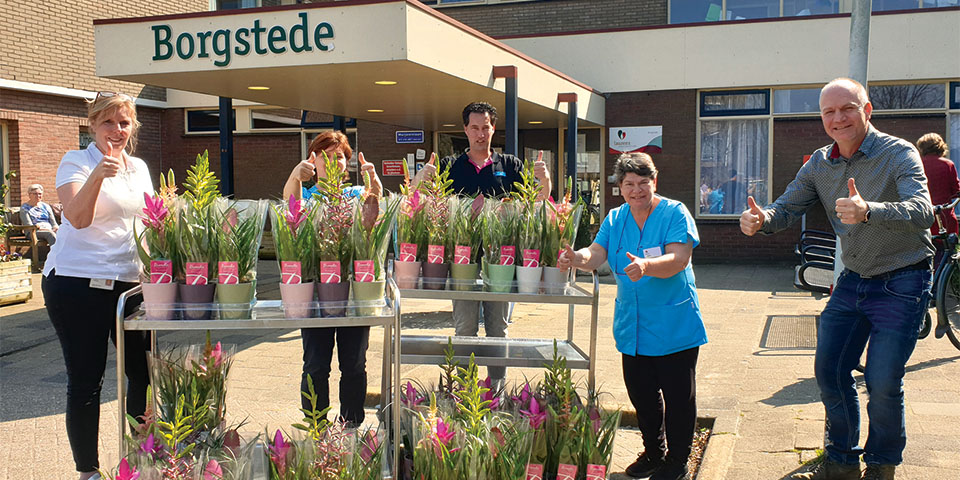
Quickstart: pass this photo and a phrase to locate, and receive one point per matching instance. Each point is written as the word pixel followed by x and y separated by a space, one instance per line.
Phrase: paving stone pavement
pixel 763 400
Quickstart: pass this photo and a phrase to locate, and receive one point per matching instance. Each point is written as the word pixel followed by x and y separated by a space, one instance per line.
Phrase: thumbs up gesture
pixel 109 165
pixel 637 268
pixel 376 188
pixel 567 259
pixel 852 209
pixel 752 218
pixel 306 169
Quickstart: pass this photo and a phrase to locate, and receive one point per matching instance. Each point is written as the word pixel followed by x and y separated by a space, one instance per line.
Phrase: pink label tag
pixel 228 273
pixel 408 252
pixel 434 253
pixel 330 272
pixel 161 271
pixel 596 472
pixel 508 254
pixel 566 472
pixel 363 271
pixel 290 273
pixel 461 254
pixel 534 471
pixel 531 258
pixel 196 273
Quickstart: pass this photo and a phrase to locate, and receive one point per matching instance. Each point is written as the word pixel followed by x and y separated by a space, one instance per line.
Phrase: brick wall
pixel 52 43
pixel 45 127
pixel 378 143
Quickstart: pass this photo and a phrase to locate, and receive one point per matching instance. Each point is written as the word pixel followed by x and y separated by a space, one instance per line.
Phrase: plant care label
pixel 196 273
pixel 408 252
pixel 290 273
pixel 228 273
pixel 161 271
pixel 508 254
pixel 531 258
pixel 535 471
pixel 434 253
pixel 596 472
pixel 330 272
pixel 461 254
pixel 566 471
pixel 363 271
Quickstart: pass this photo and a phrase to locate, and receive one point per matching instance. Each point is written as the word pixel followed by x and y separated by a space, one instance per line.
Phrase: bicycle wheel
pixel 948 302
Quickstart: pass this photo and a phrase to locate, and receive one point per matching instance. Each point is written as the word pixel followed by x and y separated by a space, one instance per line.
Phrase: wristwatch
pixel 866 216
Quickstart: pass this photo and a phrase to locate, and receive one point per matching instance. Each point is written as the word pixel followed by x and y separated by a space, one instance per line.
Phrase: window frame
pixel 186 121
pixel 894 111
pixel 723 9
pixel 252 129
pixel 734 113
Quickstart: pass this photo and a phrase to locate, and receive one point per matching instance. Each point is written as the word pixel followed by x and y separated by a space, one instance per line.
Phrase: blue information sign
pixel 410 136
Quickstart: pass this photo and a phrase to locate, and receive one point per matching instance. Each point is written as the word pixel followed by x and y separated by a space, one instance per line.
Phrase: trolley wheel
pixel 948 302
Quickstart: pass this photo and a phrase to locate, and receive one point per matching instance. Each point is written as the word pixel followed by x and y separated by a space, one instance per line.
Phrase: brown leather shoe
pixel 829 470
pixel 879 472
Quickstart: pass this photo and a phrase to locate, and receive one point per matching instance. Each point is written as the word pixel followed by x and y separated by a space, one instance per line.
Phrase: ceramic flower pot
pixel 333 298
pixel 554 280
pixel 464 276
pixel 199 295
pixel 368 298
pixel 498 278
pixel 528 279
pixel 159 300
pixel 407 274
pixel 435 275
pixel 235 299
pixel 297 299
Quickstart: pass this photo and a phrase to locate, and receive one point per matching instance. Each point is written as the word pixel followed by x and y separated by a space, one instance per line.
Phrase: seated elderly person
pixel 38 213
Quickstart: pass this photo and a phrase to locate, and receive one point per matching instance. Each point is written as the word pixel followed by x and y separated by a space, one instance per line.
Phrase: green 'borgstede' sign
pixel 258 39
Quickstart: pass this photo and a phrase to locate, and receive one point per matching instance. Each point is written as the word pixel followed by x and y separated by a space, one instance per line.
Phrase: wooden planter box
pixel 16 282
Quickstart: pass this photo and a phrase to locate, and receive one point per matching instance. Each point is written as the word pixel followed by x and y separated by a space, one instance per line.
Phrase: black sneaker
pixel 644 466
pixel 879 472
pixel 828 470
pixel 671 470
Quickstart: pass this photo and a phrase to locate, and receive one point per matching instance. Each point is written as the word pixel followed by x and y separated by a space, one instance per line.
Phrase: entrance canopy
pixel 339 58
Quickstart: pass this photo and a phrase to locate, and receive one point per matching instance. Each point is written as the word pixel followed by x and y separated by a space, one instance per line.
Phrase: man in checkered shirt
pixel 875 193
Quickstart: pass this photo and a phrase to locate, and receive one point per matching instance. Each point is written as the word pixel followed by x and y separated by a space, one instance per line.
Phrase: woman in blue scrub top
pixel 657 324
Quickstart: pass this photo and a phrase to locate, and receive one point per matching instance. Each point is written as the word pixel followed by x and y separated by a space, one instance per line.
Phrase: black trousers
pixel 84 318
pixel 663 390
pixel 352 345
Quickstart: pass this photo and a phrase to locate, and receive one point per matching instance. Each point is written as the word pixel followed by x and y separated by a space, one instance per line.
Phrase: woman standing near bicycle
pixel 942 182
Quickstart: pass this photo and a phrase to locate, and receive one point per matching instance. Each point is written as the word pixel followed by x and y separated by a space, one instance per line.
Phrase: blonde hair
pixel 108 104
pixel 932 144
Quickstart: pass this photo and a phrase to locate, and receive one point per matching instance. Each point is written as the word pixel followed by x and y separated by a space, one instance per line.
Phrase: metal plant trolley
pixel 269 314
pixel 508 352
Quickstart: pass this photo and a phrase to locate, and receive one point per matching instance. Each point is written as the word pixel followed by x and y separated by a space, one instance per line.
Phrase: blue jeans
pixel 887 310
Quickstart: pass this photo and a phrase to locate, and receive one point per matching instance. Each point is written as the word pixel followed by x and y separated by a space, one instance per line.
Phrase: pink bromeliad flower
pixel 411 397
pixel 413 204
pixel 217 355
pixel 442 434
pixel 278 452
pixel 150 446
pixel 525 395
pixel 126 472
pixel 490 394
pixel 536 416
pixel 154 212
pixel 595 419
pixel 370 446
pixel 212 471
pixel 296 214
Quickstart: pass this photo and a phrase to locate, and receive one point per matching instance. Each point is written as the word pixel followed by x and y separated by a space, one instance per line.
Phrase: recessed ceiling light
pixel 385 82
pixel 374 110
pixel 257 87
pixel 449 125
pixel 535 122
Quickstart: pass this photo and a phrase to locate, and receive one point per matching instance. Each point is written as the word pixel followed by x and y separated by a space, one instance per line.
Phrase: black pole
pixel 572 148
pixel 226 146
pixel 510 116
pixel 340 124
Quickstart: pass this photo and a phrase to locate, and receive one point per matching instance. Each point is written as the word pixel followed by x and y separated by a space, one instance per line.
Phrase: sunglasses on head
pixel 122 96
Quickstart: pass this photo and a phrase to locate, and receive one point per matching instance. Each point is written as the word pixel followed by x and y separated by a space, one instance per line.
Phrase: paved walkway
pixel 755 380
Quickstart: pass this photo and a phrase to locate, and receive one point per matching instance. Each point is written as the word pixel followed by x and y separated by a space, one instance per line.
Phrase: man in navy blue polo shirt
pixel 482 171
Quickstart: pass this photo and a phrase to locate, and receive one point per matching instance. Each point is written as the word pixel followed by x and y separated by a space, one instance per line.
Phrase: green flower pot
pixel 235 300
pixel 368 298
pixel 498 278
pixel 464 276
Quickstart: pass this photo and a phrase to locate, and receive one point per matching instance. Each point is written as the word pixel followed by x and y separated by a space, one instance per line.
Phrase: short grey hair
pixel 635 162
pixel 36 187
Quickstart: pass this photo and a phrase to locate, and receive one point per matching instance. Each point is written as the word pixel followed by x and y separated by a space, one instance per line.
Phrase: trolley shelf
pixel 573 295
pixel 490 351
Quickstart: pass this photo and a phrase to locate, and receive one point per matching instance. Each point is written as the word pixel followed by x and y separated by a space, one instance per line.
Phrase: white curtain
pixel 734 163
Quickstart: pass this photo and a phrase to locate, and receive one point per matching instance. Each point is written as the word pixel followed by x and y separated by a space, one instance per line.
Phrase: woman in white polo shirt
pixel 92 263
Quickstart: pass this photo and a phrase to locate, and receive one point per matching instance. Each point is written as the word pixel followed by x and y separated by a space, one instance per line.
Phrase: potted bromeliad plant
pixel 332 224
pixel 295 239
pixel 411 234
pixel 372 226
pixel 500 221
pixel 157 249
pixel 466 240
pixel 196 262
pixel 529 230
pixel 438 209
pixel 561 230
pixel 240 229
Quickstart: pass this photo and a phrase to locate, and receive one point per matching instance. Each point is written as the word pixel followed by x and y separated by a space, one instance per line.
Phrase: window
pixel 907 97
pixel 696 11
pixel 86 138
pixel 734 157
pixel 955 95
pixel 747 9
pixel 797 100
pixel 940 3
pixel 207 121
pixel 800 8
pixel 886 5
pixel 274 119
pixel 954 137
pixel 693 11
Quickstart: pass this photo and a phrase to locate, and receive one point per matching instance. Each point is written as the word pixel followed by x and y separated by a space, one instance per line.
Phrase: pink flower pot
pixel 407 274
pixel 159 300
pixel 297 299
